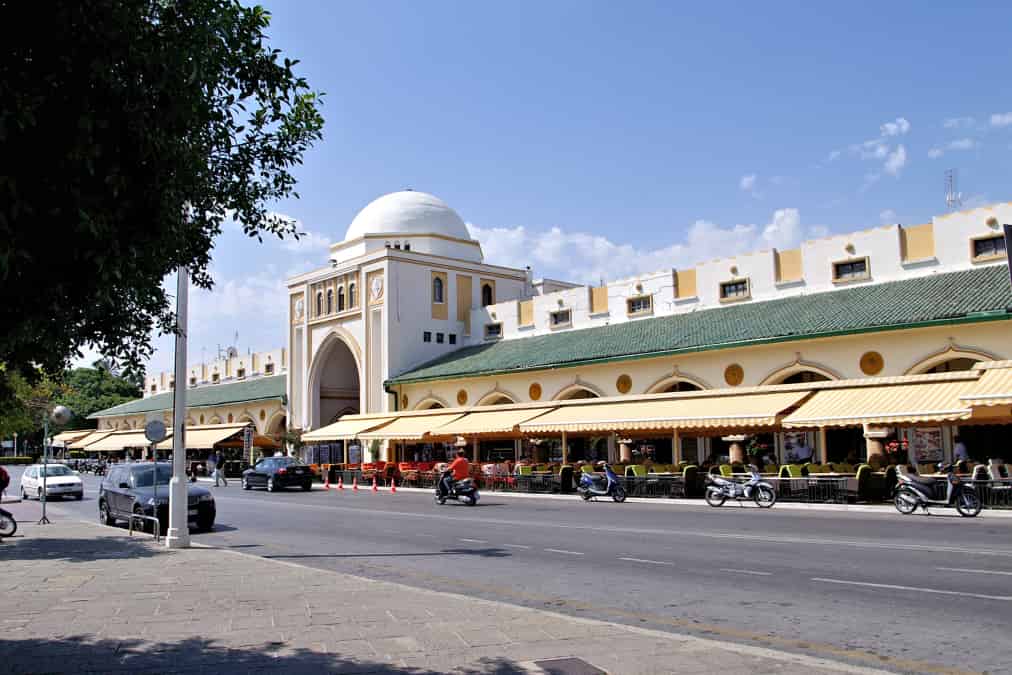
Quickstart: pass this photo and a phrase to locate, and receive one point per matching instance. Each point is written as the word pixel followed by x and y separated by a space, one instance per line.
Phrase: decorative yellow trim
pixel 623 384
pixel 534 391
pixel 685 283
pixel 462 397
pixel 871 363
pixel 440 308
pixel 734 375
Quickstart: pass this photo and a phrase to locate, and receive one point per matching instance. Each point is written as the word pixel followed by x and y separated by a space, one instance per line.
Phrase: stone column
pixel 676 447
pixel 823 446
pixel 612 450
pixel 873 440
pixel 624 452
pixel 737 450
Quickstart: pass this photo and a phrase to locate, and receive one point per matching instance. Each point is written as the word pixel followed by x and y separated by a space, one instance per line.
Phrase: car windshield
pixel 55 470
pixel 145 476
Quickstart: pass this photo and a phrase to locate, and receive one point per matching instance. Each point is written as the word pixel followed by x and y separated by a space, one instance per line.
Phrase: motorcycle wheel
pixel 968 504
pixel 586 496
pixel 764 496
pixel 618 495
pixel 715 497
pixel 472 499
pixel 440 499
pixel 8 526
pixel 905 501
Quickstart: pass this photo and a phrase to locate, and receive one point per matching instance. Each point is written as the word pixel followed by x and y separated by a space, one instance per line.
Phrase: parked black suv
pixel 143 488
pixel 275 473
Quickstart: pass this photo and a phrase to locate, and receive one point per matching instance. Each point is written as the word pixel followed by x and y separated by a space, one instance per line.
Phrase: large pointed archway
pixel 334 382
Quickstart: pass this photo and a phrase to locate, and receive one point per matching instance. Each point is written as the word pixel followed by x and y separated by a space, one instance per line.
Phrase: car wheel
pixel 204 525
pixel 270 485
pixel 24 495
pixel 79 497
pixel 104 515
pixel 307 486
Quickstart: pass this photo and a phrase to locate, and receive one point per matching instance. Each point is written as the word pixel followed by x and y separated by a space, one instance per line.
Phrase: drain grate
pixel 571 666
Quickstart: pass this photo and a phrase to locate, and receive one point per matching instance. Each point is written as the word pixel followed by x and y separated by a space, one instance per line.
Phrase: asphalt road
pixel 912 594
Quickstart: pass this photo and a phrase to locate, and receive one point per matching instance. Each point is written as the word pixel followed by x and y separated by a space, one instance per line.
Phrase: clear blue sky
pixel 658 127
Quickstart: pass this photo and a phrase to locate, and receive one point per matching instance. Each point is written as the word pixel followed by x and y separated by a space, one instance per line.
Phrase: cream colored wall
pixel 902 351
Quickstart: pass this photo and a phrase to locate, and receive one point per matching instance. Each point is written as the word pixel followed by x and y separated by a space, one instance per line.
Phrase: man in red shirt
pixel 459 469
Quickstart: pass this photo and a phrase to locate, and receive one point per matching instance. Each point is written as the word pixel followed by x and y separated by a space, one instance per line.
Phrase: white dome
pixel 407 212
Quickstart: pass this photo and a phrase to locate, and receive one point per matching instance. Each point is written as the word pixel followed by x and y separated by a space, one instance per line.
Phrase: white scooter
pixel 720 489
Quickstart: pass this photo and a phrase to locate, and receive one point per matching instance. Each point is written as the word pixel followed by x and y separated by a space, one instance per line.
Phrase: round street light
pixel 60 415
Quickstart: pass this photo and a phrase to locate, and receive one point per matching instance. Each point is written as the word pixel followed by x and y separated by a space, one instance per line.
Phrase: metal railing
pixel 156 527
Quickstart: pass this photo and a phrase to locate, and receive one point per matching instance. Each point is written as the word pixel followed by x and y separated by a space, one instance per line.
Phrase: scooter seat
pixel 923 480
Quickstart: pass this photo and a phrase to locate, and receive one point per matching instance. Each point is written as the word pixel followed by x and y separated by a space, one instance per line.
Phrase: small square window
pixel 989 247
pixel 641 305
pixel 215 378
pixel 407 246
pixel 453 338
pixel 427 336
pixel 193 382
pixel 493 331
pixel 734 290
pixel 241 373
pixel 269 369
pixel 439 338
pixel 850 270
pixel 154 388
pixel 563 317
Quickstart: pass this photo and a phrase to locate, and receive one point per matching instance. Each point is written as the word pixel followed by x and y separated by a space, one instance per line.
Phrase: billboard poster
pixel 354 453
pixel 926 444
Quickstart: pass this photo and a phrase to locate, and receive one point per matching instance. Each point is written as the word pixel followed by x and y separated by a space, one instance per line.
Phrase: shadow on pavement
pixel 480 552
pixel 79 550
pixel 80 654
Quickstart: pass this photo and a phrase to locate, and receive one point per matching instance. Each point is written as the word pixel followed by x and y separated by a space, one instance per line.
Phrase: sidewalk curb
pixel 698 503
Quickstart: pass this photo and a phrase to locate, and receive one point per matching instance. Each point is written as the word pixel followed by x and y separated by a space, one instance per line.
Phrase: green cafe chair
pixel 726 470
pixel 586 468
pixel 635 471
pixel 525 469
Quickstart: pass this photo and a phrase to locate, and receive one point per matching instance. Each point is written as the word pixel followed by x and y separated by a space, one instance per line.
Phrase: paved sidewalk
pixel 82 598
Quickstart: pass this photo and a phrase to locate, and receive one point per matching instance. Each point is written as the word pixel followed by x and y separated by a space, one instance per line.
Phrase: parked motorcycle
pixel 720 489
pixel 601 485
pixel 8 525
pixel 464 491
pixel 912 491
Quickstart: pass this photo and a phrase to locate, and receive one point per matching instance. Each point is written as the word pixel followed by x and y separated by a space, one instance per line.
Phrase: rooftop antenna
pixel 953 198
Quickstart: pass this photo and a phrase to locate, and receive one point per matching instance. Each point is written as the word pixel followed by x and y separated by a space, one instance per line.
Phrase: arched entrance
pixel 334 383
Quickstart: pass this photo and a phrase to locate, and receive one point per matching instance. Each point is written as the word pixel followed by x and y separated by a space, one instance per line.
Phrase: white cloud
pixel 956 145
pixel 887 217
pixel 896 160
pixel 551 252
pixel 959 123
pixel 897 128
pixel 307 243
pixel 834 155
pixel 1001 119
pixel 747 183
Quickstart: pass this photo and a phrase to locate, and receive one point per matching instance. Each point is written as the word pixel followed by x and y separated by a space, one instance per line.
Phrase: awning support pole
pixel 565 448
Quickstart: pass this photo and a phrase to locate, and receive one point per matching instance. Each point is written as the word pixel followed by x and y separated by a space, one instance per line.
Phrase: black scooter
pixel 912 491
pixel 464 491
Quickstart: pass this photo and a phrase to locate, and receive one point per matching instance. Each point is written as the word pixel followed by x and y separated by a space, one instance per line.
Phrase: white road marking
pixel 752 572
pixel 559 550
pixel 474 541
pixel 647 562
pixel 963 569
pixel 895 587
pixel 515 546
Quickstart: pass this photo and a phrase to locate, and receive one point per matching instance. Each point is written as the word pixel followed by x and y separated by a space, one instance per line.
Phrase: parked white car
pixel 60 481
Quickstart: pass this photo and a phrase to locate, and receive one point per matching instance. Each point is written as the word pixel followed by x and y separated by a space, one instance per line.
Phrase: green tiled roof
pixel 256 389
pixel 979 294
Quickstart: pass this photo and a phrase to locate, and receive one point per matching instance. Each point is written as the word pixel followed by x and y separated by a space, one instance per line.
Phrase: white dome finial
pixel 407 212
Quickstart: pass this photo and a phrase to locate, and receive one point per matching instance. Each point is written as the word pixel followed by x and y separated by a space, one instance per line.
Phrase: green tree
pixel 88 390
pixel 22 413
pixel 130 130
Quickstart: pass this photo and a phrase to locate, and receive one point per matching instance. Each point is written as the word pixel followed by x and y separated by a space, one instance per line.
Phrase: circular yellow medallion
pixel 734 374
pixel 534 391
pixel 623 384
pixel 263 414
pixel 404 401
pixel 461 397
pixel 872 363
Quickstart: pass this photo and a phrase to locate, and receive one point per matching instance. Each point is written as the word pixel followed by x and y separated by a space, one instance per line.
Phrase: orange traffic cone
pixel 354 483
pixel 375 488
pixel 326 481
pixel 340 482
pixel 393 486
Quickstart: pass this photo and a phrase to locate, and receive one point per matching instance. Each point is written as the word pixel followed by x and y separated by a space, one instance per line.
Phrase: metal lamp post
pixel 178 535
pixel 60 415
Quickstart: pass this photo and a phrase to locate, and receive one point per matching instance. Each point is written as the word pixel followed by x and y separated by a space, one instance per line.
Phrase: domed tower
pixel 410 221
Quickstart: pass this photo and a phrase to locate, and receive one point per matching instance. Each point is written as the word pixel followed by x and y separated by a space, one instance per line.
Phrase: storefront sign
pixel 926 444
pixel 354 453
pixel 247 443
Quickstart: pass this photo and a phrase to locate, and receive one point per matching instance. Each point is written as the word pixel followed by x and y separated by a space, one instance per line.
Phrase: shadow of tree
pixel 80 550
pixel 87 654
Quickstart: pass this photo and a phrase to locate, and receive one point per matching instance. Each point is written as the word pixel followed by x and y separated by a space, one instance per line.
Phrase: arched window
pixel 319 304
pixel 351 295
pixel 437 290
pixel 340 299
pixel 486 295
pixel 330 301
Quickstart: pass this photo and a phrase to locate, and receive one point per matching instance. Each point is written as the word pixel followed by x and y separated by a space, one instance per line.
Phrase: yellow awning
pixel 206 436
pixel 349 426
pixel 931 402
pixel 67 437
pixel 993 388
pixel 120 440
pixel 492 421
pixel 698 412
pixel 409 427
pixel 85 441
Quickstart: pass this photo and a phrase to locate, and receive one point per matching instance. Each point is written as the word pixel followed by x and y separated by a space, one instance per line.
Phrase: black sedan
pixel 143 489
pixel 275 473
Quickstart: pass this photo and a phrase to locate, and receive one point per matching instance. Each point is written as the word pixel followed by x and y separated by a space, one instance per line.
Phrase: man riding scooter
pixel 459 469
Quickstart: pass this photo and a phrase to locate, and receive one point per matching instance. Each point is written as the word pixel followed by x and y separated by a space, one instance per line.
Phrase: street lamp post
pixel 61 415
pixel 178 535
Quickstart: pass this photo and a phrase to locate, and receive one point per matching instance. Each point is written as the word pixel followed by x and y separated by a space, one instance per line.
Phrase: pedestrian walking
pixel 219 469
